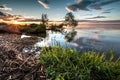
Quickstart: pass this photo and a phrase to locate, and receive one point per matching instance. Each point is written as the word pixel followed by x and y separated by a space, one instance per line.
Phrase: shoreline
pixel 15 64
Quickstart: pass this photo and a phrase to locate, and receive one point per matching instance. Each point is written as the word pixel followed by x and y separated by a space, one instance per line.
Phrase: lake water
pixel 84 37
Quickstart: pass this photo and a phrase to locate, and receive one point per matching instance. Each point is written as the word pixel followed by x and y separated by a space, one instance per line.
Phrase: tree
pixel 70 20
pixel 44 19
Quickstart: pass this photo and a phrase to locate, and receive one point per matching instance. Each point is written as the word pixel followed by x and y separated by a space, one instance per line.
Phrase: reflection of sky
pixel 112 35
pixel 53 38
pixel 98 38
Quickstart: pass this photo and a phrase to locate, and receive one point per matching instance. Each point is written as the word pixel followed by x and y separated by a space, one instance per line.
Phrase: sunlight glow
pixel 15 22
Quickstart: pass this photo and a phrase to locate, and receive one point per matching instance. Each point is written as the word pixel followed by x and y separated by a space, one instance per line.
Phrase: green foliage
pixel 68 64
pixel 56 27
pixel 23 28
pixel 37 29
pixel 70 20
pixel 33 28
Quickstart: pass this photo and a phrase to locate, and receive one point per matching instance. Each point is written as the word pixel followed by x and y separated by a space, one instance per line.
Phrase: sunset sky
pixel 101 10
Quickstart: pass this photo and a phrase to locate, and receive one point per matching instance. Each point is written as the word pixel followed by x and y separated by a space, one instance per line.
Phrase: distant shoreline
pixel 59 22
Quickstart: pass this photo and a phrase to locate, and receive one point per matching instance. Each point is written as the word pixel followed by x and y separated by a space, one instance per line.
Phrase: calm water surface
pixel 98 37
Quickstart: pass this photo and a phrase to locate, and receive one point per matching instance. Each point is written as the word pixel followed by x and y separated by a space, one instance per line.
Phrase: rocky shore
pixel 18 65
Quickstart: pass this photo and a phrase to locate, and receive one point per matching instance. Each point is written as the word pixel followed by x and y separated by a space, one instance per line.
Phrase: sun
pixel 15 22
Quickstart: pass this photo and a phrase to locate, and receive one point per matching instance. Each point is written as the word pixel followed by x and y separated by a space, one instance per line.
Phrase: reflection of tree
pixel 70 20
pixel 43 35
pixel 70 35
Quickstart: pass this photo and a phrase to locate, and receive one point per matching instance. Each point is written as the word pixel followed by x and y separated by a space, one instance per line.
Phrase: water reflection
pixel 70 35
pixel 82 39
pixel 43 35
pixel 79 37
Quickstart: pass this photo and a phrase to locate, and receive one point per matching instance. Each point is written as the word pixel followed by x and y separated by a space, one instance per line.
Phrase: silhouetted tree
pixel 44 19
pixel 70 20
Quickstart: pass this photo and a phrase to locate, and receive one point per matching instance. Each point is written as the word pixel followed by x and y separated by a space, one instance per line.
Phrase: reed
pixel 68 64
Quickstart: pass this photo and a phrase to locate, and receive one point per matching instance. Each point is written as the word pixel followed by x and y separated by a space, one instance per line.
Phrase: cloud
pixel 30 20
pixel 87 15
pixel 88 5
pixel 44 3
pixel 20 18
pixel 80 5
pixel 99 5
pixel 97 17
pixel 107 11
pixel 1 13
pixel 3 7
pixel 6 16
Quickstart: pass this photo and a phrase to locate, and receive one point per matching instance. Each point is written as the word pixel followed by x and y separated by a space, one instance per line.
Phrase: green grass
pixel 68 64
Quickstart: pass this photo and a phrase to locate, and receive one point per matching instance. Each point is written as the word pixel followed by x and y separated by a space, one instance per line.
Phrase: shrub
pixel 23 28
pixel 33 28
pixel 38 29
pixel 68 64
pixel 56 27
pixel 2 23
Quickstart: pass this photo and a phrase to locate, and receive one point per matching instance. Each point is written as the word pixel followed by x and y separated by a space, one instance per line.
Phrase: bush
pixel 33 28
pixel 23 28
pixel 2 23
pixel 56 27
pixel 37 29
pixel 68 64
